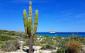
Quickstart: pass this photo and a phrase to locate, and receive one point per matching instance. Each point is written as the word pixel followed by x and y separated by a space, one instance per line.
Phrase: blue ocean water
pixel 63 34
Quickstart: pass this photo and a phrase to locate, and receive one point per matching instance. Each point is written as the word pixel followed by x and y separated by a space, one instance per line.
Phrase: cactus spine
pixel 30 27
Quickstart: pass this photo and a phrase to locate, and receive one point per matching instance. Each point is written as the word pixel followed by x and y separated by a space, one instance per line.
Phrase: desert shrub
pixel 10 45
pixel 61 50
pixel 71 46
pixel 48 47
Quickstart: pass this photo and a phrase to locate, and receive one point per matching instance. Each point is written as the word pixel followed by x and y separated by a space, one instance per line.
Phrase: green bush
pixel 10 45
pixel 48 47
pixel 61 50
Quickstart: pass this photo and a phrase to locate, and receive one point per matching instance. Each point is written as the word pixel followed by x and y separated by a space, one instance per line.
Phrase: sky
pixel 54 15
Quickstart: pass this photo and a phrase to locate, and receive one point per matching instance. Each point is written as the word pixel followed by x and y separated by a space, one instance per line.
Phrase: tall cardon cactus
pixel 30 25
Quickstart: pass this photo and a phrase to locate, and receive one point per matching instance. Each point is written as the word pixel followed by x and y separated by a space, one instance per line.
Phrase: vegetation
pixel 10 45
pixel 9 38
pixel 30 26
pixel 48 46
pixel 70 46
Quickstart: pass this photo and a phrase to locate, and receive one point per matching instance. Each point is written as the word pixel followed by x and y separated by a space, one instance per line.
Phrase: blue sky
pixel 56 15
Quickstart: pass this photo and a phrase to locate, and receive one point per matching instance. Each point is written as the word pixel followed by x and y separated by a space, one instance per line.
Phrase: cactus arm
pixel 36 21
pixel 25 19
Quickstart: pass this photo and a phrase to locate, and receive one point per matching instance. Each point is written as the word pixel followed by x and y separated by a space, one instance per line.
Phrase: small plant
pixel 48 47
pixel 61 50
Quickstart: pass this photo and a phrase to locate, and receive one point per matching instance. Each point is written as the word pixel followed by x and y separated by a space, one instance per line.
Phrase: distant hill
pixel 8 32
pixel 7 35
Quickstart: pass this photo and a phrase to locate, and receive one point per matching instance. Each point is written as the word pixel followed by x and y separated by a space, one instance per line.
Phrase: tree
pixel 30 25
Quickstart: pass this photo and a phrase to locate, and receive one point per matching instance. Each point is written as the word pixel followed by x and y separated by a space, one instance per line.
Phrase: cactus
pixel 30 25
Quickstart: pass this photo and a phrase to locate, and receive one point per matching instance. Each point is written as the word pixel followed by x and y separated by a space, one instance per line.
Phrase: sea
pixel 62 34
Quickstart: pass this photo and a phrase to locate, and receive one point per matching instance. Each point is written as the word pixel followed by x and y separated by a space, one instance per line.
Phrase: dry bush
pixel 10 45
pixel 73 46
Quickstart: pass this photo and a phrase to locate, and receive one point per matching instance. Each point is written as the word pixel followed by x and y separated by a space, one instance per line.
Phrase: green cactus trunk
pixel 30 27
